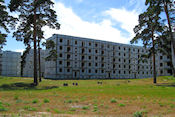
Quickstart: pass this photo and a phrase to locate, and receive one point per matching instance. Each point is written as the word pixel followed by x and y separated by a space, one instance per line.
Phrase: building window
pixel 124 48
pixel 114 71
pixel 89 44
pixel 119 71
pixel 82 57
pixel 68 56
pixel 82 64
pixel 96 51
pixel 89 57
pixel 68 42
pixel 124 60
pixel 61 40
pixel 60 62
pixel 89 64
pixel 68 49
pixel 102 58
pixel 68 70
pixel 61 47
pixel 61 55
pixel 124 66
pixel 102 71
pixel 96 71
pixel 96 58
pixel 82 43
pixel 124 72
pixel 96 64
pixel 119 47
pixel 119 66
pixel 89 50
pixel 89 70
pixel 102 65
pixel 83 50
pixel 96 44
pixel 119 60
pixel 102 52
pixel 119 53
pixel 60 70
pixel 108 46
pixel 114 59
pixel 76 42
pixel 161 64
pixel 129 72
pixel 113 66
pixel 124 54
pixel 68 64
pixel 83 70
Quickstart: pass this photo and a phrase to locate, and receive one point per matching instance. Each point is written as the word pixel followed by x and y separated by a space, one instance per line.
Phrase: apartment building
pixel 10 63
pixel 28 68
pixel 83 58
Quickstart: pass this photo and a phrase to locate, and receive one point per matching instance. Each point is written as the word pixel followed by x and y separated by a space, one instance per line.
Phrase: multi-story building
pixel 10 63
pixel 28 67
pixel 83 58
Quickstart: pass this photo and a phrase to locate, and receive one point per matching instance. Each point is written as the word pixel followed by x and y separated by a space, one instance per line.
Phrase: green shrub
pixel 121 105
pixel 138 114
pixel 35 101
pixel 72 109
pixel 46 100
pixel 113 101
pixel 29 108
pixel 16 97
pixel 2 108
pixel 95 108
pixel 85 107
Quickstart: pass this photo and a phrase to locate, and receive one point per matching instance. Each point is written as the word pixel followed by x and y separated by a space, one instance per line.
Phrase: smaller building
pixel 10 63
pixel 28 67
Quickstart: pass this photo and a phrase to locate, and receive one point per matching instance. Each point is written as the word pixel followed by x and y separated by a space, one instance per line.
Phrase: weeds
pixel 35 101
pixel 46 100
pixel 122 105
pixel 138 114
pixel 113 101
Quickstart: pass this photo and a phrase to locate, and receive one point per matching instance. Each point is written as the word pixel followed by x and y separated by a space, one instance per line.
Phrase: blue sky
pixel 110 20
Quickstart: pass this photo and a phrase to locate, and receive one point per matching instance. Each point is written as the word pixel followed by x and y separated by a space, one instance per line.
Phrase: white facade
pixel 10 63
pixel 82 58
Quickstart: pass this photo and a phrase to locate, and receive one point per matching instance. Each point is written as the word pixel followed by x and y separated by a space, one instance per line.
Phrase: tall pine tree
pixel 146 31
pixel 33 16
pixel 167 7
pixel 5 21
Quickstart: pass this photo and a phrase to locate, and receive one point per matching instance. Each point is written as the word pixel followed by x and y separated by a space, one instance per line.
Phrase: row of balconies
pixel 79 42
pixel 73 49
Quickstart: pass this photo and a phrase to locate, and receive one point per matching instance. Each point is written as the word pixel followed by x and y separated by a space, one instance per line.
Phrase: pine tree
pixel 33 16
pixel 146 32
pixel 168 7
pixel 5 21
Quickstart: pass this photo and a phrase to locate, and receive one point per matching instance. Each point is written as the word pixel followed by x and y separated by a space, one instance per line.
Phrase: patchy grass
pixel 18 95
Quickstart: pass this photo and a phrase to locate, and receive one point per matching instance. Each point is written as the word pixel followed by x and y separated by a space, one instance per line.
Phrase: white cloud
pixel 128 19
pixel 72 24
pixel 19 50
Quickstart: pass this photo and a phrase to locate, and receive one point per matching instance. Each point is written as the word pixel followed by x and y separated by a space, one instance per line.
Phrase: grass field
pixel 123 98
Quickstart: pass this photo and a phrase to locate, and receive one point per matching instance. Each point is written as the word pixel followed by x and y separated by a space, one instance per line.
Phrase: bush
pixel 138 114
pixel 113 101
pixel 35 101
pixel 29 108
pixel 85 107
pixel 121 105
pixel 2 108
pixel 46 100
pixel 72 109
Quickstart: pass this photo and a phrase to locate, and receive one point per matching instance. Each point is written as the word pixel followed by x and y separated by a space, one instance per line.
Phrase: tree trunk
pixel 39 61
pixel 172 39
pixel 154 60
pixel 35 50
